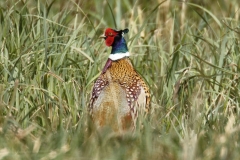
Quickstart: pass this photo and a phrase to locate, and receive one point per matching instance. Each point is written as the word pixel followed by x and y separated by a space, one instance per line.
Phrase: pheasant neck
pixel 117 56
pixel 119 49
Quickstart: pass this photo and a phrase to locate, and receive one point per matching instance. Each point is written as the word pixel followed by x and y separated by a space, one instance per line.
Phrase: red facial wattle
pixel 109 40
pixel 110 35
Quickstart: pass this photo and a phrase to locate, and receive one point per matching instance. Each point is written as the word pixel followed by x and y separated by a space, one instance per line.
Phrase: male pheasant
pixel 119 93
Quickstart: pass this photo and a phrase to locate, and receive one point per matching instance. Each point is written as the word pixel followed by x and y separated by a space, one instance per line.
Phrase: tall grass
pixel 188 52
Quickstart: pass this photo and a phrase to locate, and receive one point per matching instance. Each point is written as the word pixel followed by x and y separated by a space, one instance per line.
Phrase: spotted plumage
pixel 119 93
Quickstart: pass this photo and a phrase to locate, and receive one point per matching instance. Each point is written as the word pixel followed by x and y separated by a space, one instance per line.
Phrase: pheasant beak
pixel 102 36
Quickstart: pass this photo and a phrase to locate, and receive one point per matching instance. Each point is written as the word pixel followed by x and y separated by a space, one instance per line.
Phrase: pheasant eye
pixel 110 34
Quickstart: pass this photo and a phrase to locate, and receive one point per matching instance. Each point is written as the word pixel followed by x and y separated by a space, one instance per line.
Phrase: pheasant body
pixel 119 93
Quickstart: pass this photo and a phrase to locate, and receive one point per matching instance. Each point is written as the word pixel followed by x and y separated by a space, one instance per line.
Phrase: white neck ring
pixel 117 56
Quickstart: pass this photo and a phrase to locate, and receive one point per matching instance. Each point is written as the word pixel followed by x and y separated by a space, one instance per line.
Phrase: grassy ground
pixel 50 55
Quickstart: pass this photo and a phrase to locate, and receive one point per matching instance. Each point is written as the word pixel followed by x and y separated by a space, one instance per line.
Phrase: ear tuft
pixel 125 31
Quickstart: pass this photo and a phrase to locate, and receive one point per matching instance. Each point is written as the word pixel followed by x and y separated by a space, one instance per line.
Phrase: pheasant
pixel 119 93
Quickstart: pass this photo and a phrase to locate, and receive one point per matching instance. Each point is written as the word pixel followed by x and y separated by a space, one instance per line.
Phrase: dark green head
pixel 115 39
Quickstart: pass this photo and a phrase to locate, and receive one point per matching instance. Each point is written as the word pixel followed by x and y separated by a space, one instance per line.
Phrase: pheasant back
pixel 118 95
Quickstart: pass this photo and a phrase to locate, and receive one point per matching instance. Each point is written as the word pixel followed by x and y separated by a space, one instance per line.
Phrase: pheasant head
pixel 116 40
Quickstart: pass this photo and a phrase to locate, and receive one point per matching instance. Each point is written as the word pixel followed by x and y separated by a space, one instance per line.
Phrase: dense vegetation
pixel 50 55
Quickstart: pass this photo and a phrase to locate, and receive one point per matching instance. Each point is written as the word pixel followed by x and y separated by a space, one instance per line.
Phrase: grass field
pixel 50 55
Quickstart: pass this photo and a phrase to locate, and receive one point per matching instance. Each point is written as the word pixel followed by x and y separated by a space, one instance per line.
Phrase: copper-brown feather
pixel 118 95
